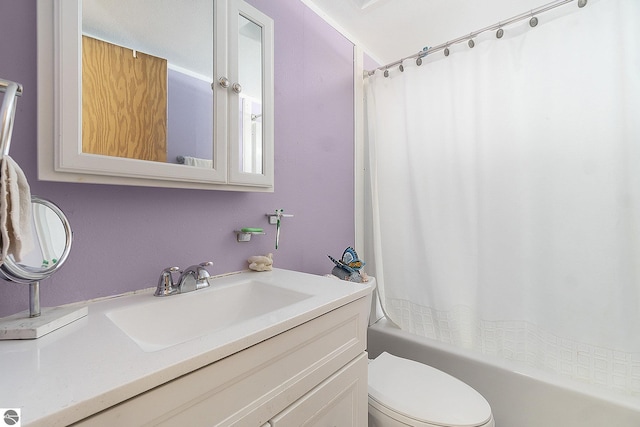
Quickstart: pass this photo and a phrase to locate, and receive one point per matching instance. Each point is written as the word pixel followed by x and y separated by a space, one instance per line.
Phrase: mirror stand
pixel 54 236
pixel 38 322
pixel 34 299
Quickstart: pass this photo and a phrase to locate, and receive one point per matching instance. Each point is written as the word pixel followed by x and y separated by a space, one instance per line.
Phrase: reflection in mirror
pixel 250 104
pixel 51 238
pixel 146 83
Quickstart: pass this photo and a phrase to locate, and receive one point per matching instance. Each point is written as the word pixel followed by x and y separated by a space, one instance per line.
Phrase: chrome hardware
pixel 165 283
pixel 194 277
pixel 236 87
pixel 224 82
pixel 191 279
pixel 7 113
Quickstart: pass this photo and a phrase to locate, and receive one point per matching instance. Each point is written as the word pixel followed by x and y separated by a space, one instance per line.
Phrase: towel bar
pixel 12 91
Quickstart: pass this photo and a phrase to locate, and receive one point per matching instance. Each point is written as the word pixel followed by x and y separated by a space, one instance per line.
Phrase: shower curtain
pixel 505 193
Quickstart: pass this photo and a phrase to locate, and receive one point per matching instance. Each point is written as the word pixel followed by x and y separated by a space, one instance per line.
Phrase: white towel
pixel 195 161
pixel 15 211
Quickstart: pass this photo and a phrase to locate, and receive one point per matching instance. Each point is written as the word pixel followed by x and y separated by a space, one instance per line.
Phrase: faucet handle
pixel 202 271
pixel 165 282
pixel 203 275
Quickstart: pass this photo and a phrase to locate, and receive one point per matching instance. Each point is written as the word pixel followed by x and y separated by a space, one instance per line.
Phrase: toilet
pixel 404 393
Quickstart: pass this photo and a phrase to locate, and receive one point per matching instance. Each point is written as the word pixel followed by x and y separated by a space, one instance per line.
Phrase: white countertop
pixel 90 364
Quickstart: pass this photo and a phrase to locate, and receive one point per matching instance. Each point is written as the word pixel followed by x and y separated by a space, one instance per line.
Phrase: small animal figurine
pixel 348 268
pixel 261 262
pixel 349 261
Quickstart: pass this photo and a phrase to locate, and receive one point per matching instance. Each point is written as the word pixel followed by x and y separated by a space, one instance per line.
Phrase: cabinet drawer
pixel 252 386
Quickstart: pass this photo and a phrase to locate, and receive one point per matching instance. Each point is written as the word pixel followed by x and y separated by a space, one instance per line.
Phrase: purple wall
pixel 124 236
pixel 189 117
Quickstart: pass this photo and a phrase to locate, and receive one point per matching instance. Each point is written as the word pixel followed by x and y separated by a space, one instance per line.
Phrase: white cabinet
pixel 244 93
pixel 234 147
pixel 313 374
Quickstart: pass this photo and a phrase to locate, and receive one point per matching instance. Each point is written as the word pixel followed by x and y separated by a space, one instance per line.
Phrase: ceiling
pixel 389 30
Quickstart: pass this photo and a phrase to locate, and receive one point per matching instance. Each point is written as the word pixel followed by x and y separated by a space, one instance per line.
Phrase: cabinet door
pixel 341 400
pixel 250 95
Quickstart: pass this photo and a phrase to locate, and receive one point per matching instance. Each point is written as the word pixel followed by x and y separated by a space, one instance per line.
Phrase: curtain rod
pixel 444 46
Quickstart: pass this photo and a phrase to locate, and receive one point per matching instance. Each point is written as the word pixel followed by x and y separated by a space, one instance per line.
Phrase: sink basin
pixel 162 322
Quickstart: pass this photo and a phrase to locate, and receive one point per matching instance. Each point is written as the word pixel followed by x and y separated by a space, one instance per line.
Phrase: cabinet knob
pixel 236 88
pixel 223 82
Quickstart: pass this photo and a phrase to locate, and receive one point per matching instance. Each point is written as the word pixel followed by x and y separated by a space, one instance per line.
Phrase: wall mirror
pixel 156 93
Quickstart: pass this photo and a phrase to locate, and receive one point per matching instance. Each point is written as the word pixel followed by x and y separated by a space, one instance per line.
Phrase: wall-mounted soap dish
pixel 244 234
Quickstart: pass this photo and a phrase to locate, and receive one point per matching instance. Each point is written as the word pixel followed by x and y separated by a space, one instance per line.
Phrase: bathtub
pixel 519 396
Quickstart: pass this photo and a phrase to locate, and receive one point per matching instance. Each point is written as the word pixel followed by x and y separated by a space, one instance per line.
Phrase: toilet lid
pixel 424 393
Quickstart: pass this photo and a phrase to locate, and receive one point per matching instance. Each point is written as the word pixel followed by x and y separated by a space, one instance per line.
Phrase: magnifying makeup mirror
pixel 52 243
pixel 52 239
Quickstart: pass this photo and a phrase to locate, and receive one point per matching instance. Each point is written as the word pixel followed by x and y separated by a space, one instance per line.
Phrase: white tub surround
pixel 92 365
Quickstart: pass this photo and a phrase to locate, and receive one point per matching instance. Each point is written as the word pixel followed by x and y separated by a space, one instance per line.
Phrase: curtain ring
pixel 582 3
pixel 533 21
pixel 446 51
pixel 386 73
pixel 499 33
pixel 423 53
pixel 471 43
pixel 401 68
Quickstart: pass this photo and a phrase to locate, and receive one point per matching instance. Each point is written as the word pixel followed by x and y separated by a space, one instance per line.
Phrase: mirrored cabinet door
pixel 250 92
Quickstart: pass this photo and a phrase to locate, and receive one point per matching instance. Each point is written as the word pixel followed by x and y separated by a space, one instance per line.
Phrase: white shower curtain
pixel 506 193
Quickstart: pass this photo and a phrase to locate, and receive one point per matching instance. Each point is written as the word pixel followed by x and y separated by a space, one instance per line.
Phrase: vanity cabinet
pixel 338 401
pixel 229 58
pixel 312 374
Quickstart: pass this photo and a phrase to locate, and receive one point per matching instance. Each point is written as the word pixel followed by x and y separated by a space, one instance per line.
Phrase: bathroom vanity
pixel 294 353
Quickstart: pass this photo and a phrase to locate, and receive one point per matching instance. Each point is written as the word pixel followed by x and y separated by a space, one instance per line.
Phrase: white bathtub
pixel 519 397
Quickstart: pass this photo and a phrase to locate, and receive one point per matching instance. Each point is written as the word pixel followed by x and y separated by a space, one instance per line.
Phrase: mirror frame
pixel 18 273
pixel 60 156
pixel 235 10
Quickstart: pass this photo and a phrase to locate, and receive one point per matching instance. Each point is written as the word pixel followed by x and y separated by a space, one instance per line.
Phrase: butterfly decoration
pixel 349 261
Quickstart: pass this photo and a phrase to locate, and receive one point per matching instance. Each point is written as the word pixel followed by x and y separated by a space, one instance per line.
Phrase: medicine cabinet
pixel 156 94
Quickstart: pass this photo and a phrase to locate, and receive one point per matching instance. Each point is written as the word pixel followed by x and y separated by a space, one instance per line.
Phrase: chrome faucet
pixel 191 279
pixel 194 277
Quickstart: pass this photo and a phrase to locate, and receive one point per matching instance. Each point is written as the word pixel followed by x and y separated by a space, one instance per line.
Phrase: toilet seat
pixel 405 389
